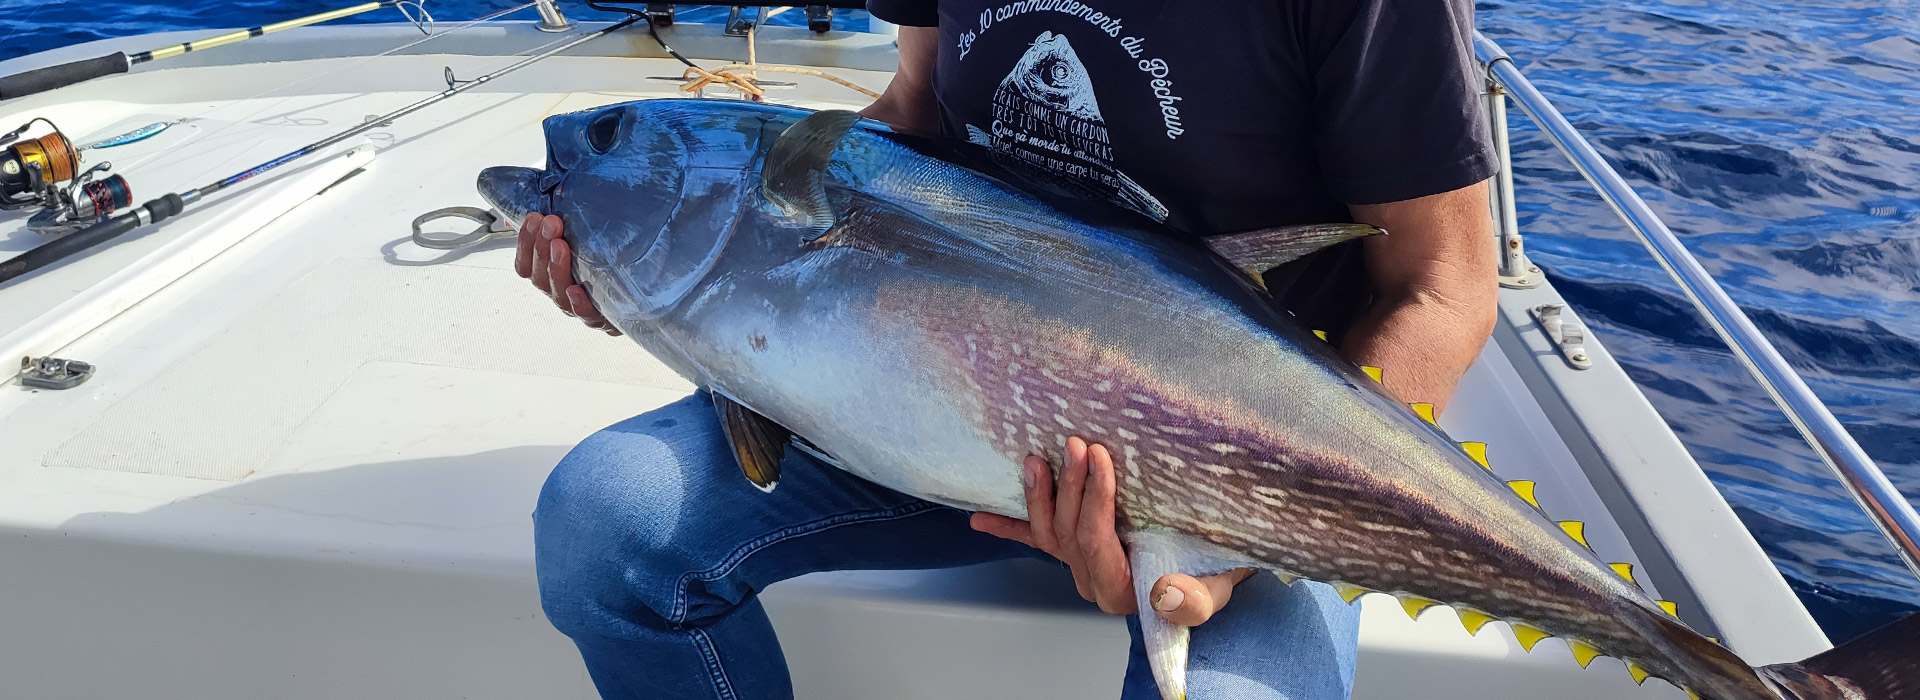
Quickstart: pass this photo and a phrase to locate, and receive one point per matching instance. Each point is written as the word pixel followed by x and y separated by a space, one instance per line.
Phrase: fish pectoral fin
pixel 758 443
pixel 794 175
pixel 1260 250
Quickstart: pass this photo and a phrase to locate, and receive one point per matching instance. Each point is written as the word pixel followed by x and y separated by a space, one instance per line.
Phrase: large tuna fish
pixel 878 297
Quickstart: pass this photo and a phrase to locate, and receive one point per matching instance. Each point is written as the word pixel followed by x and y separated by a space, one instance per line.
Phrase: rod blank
pixel 41 80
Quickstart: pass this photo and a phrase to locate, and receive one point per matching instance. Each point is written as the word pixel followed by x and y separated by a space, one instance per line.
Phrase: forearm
pixel 1435 293
pixel 1422 343
pixel 909 103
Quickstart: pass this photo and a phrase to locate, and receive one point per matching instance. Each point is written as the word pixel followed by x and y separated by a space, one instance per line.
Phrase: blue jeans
pixel 650 545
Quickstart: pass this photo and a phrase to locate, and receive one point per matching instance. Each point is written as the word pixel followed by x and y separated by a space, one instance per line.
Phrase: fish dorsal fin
pixel 1576 530
pixel 1625 570
pixel 758 443
pixel 1260 250
pixel 1478 451
pixel 1524 489
pixel 793 177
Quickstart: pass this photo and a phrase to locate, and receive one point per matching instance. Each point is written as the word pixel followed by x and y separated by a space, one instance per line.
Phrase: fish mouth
pixel 514 191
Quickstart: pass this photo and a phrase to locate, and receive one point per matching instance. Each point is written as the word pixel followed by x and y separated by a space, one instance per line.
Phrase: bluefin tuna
pixel 877 297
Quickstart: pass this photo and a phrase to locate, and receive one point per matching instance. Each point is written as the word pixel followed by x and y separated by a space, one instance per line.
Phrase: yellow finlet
pixel 1414 605
pixel 1424 409
pixel 1691 694
pixel 1525 490
pixel 1528 635
pixel 1478 451
pixel 1372 372
pixel 1715 640
pixel 1583 653
pixel 1473 620
pixel 1667 605
pixel 1349 592
pixel 1321 334
pixel 1577 530
pixel 1640 675
pixel 1625 571
pixel 1285 577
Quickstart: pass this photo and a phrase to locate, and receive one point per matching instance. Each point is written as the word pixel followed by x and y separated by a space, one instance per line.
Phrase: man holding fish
pixel 1213 117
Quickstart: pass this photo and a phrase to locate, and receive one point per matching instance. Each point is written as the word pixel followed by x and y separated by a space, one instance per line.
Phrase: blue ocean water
pixel 1780 140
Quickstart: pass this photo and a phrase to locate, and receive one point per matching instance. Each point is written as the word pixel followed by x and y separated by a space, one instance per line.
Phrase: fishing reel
pixel 31 173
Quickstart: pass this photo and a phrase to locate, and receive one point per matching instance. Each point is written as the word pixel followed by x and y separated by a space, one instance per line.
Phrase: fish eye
pixel 603 131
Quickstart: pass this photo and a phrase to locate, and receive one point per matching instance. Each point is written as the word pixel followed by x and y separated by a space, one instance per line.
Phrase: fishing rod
pixel 43 79
pixel 171 204
pixel 32 168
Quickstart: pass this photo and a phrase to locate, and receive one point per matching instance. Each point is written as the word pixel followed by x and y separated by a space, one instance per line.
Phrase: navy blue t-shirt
pixel 1225 115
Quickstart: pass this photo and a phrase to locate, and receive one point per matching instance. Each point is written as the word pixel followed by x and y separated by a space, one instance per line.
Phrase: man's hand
pixel 1075 525
pixel 545 258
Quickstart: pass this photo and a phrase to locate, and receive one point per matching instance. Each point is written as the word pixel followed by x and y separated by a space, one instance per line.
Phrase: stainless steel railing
pixel 1888 509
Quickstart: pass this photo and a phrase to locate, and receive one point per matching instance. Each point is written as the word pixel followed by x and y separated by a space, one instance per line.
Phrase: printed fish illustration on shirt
pixel 1045 112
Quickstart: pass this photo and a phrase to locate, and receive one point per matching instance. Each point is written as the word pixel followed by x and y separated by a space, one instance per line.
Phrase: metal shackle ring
pixel 490 227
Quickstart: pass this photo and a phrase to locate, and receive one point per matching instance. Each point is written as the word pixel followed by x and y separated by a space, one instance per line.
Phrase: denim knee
pixel 605 546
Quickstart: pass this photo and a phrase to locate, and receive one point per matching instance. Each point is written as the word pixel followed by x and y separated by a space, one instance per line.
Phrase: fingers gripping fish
pixel 838 285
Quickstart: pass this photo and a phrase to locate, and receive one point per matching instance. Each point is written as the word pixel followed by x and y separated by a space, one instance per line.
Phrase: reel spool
pixel 86 202
pixel 31 169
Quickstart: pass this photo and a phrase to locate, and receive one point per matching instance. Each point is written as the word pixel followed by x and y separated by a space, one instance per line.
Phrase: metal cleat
pixel 53 373
pixel 1567 336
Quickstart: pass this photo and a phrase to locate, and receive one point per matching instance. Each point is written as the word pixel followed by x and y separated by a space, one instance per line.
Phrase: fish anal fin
pixel 1478 451
pixel 1576 530
pixel 1473 620
pixel 1583 653
pixel 1528 635
pixel 1414 605
pixel 1153 554
pixel 1524 489
pixel 758 443
pixel 794 175
pixel 1257 251
pixel 1349 592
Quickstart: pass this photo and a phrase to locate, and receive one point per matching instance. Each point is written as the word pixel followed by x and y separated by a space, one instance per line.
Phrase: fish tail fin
pixel 1880 665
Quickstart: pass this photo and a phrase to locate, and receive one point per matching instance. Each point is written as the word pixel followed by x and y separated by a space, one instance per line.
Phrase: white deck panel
pixel 306 469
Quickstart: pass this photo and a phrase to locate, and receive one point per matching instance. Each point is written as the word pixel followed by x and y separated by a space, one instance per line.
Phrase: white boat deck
pixel 305 468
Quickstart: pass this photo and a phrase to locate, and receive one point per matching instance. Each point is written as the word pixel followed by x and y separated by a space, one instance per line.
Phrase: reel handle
pixel 51 77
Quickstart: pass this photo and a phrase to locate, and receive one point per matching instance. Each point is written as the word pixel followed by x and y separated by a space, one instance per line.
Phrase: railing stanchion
pixel 1885 506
